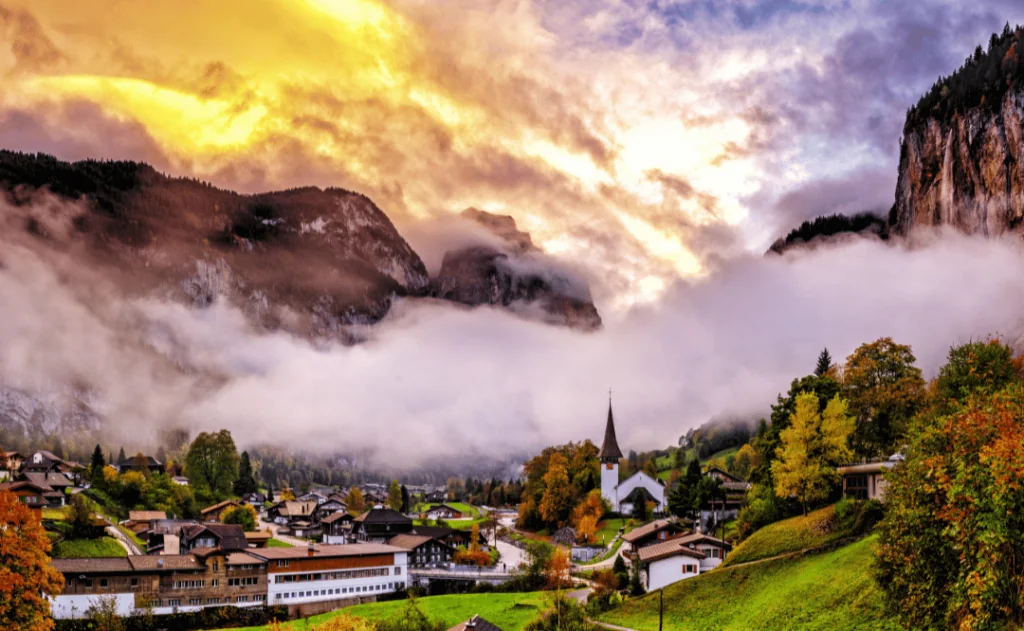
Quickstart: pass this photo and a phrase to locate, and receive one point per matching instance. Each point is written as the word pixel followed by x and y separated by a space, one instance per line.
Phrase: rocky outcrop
pixel 965 171
pixel 514 274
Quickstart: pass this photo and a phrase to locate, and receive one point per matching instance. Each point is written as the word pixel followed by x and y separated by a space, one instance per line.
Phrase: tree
pixel 246 482
pixel 395 496
pixel 586 529
pixel 559 570
pixel 977 367
pixel 406 507
pixel 103 615
pixel 244 515
pixel 27 578
pixel 81 517
pixel 812 446
pixel 885 389
pixel 557 499
pixel 683 499
pixel 636 585
pixel 824 363
pixel 120 457
pixel 288 494
pixel 640 510
pixel 355 501
pixel 96 463
pixel 140 463
pixel 746 459
pixel 952 541
pixel 212 463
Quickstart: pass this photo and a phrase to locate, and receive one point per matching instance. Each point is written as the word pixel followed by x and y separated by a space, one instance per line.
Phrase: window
pixel 216 566
pixel 135 582
pixel 195 601
pixel 103 582
pixel 174 602
pixel 213 601
pixel 282 563
pixel 398 571
pixel 215 582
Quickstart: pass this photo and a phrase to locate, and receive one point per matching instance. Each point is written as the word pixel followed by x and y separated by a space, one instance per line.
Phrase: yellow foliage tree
pixel 559 570
pixel 556 502
pixel 812 446
pixel 287 494
pixel 356 501
pixel 109 475
pixel 586 529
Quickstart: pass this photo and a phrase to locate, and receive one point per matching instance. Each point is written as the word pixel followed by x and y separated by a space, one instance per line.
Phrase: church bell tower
pixel 610 455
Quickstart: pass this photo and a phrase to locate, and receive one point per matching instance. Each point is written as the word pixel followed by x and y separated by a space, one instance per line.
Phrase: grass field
pixel 88 548
pixel 277 543
pixel 511 611
pixel 832 591
pixel 608 528
pixel 817 528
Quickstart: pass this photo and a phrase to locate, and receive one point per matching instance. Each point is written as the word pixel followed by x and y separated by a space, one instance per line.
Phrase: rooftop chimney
pixel 310 549
pixel 159 562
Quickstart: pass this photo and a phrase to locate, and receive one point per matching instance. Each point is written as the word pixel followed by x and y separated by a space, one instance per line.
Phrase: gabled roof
pixel 610 447
pixel 219 505
pixel 50 480
pixel 106 565
pixel 146 515
pixel 243 558
pixel 666 550
pixel 409 542
pixel 697 538
pixel 448 506
pixel 296 508
pixel 150 462
pixel 434 532
pixel 24 484
pixel 648 529
pixel 382 516
pixel 229 536
pixel 164 563
pixel 348 550
pixel 476 623
pixel 640 493
pixel 333 517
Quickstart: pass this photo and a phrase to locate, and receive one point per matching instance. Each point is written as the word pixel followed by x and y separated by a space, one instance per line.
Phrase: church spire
pixel 610 451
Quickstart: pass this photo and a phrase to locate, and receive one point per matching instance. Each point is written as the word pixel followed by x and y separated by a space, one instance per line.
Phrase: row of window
pixel 196 602
pixel 87 582
pixel 341 591
pixel 239 582
pixel 334 576
pixel 189 584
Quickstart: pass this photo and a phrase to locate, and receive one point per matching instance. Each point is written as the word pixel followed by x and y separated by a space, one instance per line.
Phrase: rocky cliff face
pixel 966 171
pixel 513 274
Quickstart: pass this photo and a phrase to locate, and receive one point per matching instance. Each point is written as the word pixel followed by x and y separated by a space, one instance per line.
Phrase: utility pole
pixel 661 607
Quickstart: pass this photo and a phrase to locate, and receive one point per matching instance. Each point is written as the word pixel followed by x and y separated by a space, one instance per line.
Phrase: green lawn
pixel 817 528
pixel 511 611
pixel 134 538
pixel 608 528
pixel 277 543
pixel 88 548
pixel 833 591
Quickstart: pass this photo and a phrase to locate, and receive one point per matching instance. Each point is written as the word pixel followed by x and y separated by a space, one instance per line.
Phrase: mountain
pixel 962 156
pixel 829 229
pixel 511 271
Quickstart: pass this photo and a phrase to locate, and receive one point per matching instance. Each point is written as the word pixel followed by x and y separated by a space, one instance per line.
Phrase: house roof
pixel 164 563
pixel 476 623
pixel 448 506
pixel 409 542
pixel 348 550
pixel 108 565
pixel 243 558
pixel 23 484
pixel 638 493
pixel 647 529
pixel 867 467
pixel 51 480
pixel 219 505
pixel 259 535
pixel 229 536
pixel 202 552
pixel 146 515
pixel 434 532
pixel 170 526
pixel 296 508
pixel 610 447
pixel 383 516
pixel 695 538
pixel 665 550
pixel 333 517
pixel 150 462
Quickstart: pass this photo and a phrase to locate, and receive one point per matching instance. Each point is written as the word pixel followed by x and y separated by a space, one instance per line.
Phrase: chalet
pixel 679 558
pixel 380 524
pixel 302 528
pixel 444 511
pixel 142 464
pixel 56 485
pixel 424 551
pixel 10 464
pixel 139 521
pixel 653 532
pixel 216 512
pixel 623 495
pixel 229 537
pixel 258 539
pixel 331 505
pixel 450 536
pixel 164 535
pixel 735 493
pixel 435 497
pixel 337 528
pixel 28 493
pixel 313 496
pixel 476 623
pixel 288 511
pixel 866 480
pixel 257 499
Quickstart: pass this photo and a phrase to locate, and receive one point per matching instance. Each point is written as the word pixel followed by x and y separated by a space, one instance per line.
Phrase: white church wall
pixel 641 479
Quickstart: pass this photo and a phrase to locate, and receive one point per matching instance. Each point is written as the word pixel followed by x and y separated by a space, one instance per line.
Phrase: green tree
pixel 683 499
pixel 96 463
pixel 951 547
pixel 405 500
pixel 885 389
pixel 246 482
pixel 102 614
pixel 976 367
pixel 244 516
pixel 395 496
pixel 120 457
pixel 812 445
pixel 212 464
pixel 824 363
pixel 636 585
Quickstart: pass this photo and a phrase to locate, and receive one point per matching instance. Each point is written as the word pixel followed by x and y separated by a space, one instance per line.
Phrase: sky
pixel 657 146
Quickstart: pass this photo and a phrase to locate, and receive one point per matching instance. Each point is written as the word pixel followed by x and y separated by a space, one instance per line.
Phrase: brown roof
pixel 296 508
pixel 146 515
pixel 867 467
pixel 476 623
pixel 333 517
pixel 352 549
pixel 23 484
pixel 409 542
pixel 210 509
pixel 697 537
pixel 260 535
pixel 105 565
pixel 164 563
pixel 646 530
pixel 666 550
pixel 52 480
pixel 610 447
pixel 242 558
pixel 383 516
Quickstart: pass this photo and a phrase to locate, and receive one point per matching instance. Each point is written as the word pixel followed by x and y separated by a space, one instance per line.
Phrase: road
pixel 273 528
pixel 511 556
pixel 124 541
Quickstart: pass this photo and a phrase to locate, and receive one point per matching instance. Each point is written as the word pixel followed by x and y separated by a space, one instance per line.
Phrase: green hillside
pixel 833 591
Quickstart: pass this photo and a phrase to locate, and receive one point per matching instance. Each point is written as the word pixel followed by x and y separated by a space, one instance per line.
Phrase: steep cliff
pixel 962 155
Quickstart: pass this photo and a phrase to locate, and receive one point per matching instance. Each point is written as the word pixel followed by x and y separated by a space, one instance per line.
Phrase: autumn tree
pixel 212 464
pixel 951 553
pixel 244 515
pixel 557 499
pixel 587 514
pixel 559 570
pixel 395 496
pixel 746 459
pixel 103 615
pixel 27 578
pixel 288 494
pixel 355 501
pixel 812 445
pixel 977 367
pixel 884 389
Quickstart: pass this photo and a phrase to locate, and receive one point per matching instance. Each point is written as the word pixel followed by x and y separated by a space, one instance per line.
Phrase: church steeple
pixel 610 451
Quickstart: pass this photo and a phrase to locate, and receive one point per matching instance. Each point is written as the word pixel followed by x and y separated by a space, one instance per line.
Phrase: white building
pixel 637 487
pixel 680 558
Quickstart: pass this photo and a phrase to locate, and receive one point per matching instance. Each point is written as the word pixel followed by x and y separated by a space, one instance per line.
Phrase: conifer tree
pixel 824 363
pixel 97 463
pixel 120 457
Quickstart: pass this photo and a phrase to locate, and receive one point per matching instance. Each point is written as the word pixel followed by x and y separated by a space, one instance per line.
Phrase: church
pixel 638 487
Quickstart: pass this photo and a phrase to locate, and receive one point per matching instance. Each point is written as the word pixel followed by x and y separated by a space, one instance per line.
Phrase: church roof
pixel 610 447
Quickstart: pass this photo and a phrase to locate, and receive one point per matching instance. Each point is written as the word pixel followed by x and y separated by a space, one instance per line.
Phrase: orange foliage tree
pixel 27 578
pixel 559 570
pixel 557 500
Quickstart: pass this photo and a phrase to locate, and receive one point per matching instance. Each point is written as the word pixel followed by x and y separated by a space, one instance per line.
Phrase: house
pixel 341 574
pixel 216 512
pixel 331 505
pixel 55 484
pixel 164 535
pixel 10 464
pixel 256 499
pixel 679 558
pixel 228 537
pixel 258 539
pixel 313 496
pixel 444 511
pixel 449 536
pixel 304 529
pixel 424 551
pixel 180 479
pixel 653 532
pixel 735 493
pixel 866 480
pixel 435 497
pixel 380 524
pixel 142 464
pixel 622 495
pixel 28 493
pixel 337 528
pixel 476 623
pixel 288 511
pixel 139 521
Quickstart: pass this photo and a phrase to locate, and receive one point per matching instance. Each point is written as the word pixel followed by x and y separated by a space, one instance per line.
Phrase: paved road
pixel 511 556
